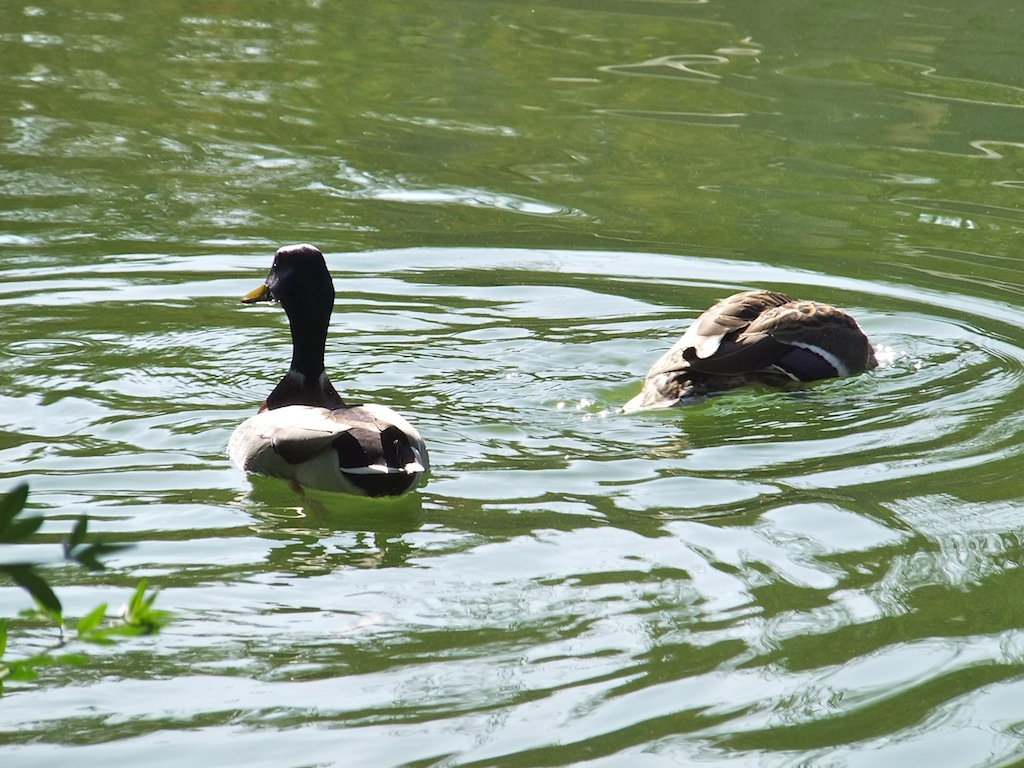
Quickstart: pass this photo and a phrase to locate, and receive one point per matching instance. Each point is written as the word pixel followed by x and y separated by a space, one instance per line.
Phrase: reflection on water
pixel 522 206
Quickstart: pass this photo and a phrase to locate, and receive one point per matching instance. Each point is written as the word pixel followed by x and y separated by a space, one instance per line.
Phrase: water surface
pixel 522 207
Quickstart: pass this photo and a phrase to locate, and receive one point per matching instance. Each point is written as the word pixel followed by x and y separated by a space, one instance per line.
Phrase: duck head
pixel 299 281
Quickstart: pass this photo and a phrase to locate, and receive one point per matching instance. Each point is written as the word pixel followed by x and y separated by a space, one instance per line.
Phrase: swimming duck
pixel 756 337
pixel 305 432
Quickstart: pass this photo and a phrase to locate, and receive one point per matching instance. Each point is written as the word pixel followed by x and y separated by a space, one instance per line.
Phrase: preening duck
pixel 756 337
pixel 305 432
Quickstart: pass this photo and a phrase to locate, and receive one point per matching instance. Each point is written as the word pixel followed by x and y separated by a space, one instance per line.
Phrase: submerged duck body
pixel 756 337
pixel 305 432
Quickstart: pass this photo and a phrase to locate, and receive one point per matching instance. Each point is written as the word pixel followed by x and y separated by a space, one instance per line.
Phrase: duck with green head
pixel 304 431
pixel 756 337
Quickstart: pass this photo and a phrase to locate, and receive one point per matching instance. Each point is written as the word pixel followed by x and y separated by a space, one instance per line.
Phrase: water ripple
pixel 737 571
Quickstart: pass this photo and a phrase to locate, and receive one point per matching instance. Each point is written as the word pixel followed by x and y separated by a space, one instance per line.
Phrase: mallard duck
pixel 756 337
pixel 305 432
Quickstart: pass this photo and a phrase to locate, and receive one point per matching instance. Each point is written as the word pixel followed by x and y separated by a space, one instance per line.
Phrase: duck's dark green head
pixel 298 279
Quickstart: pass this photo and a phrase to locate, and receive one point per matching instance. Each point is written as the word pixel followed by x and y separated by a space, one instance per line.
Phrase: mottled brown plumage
pixel 756 337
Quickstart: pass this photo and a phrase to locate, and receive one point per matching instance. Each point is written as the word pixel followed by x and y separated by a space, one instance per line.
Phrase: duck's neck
pixel 299 389
pixel 306 382
pixel 308 343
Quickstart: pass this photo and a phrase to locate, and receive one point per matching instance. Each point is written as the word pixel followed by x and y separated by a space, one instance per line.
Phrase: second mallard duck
pixel 756 337
pixel 305 432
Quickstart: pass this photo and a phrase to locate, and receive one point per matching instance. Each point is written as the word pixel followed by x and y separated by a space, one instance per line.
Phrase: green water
pixel 522 206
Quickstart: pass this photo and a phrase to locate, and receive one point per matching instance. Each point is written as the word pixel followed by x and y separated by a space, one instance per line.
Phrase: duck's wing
pixel 298 443
pixel 762 330
pixel 731 316
pixel 711 343
pixel 379 441
pixel 811 341
pixel 292 435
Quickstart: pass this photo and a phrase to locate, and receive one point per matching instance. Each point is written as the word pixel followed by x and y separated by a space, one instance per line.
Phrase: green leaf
pixel 3 637
pixel 12 503
pixel 25 576
pixel 90 621
pixel 101 636
pixel 77 535
pixel 22 672
pixel 89 554
pixel 18 530
pixel 138 605
pixel 139 616
pixel 25 669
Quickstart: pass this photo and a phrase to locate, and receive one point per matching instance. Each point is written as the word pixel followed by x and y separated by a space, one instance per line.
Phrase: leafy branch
pixel 138 617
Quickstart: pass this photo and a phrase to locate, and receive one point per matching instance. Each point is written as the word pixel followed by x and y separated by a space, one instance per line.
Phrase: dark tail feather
pixel 362 447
